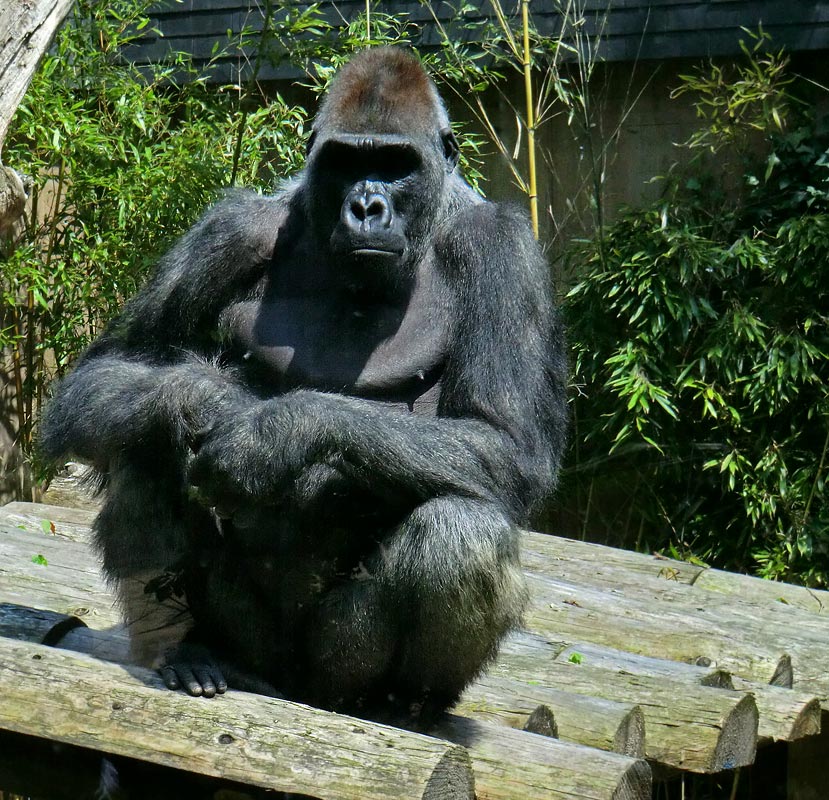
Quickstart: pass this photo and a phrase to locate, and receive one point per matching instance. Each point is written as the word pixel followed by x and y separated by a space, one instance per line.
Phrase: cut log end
pixel 543 722
pixel 636 782
pixel 783 673
pixel 737 744
pixel 630 737
pixel 452 778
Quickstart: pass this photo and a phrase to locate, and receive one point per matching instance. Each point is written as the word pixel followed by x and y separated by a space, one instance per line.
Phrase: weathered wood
pixel 70 523
pixel 545 648
pixel 590 721
pixel 815 601
pixel 806 768
pixel 785 715
pixel 36 625
pixel 641 624
pixel 510 765
pixel 767 643
pixel 274 744
pixel 695 728
pixel 26 29
pixel 546 553
pixel 69 582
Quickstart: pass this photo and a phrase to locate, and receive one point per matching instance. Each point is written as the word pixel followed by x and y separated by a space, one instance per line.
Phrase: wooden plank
pixel 80 590
pixel 274 744
pixel 566 771
pixel 511 765
pixel 765 642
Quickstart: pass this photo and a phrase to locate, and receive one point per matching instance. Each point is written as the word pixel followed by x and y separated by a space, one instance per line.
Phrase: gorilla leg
pixel 425 614
pixel 141 536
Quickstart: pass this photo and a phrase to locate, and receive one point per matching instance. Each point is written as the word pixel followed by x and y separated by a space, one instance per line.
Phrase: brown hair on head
pixel 382 90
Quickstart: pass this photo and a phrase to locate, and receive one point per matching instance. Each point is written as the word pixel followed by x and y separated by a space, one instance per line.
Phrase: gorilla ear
pixel 451 151
pixel 310 143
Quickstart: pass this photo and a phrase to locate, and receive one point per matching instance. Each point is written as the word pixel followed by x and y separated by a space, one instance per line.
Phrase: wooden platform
pixel 629 663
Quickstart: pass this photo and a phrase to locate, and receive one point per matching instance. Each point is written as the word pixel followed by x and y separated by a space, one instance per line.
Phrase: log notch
pixel 511 765
pixel 261 741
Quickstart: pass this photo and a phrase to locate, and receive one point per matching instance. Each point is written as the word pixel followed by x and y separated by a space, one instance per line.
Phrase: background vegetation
pixel 698 326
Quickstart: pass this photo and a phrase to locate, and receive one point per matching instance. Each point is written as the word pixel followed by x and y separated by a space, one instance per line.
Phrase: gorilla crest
pixel 321 423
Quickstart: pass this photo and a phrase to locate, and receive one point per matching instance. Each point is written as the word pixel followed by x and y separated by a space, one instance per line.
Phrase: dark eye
pixel 386 163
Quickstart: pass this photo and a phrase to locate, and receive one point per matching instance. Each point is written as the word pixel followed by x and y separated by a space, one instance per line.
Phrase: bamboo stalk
pixel 528 92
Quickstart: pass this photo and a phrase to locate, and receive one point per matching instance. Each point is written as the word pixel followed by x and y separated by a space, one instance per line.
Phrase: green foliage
pixel 702 345
pixel 122 160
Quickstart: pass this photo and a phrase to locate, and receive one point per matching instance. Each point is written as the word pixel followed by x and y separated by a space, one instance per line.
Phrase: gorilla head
pixel 379 158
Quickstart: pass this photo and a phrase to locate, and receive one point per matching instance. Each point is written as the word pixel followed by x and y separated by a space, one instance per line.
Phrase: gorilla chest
pixel 376 350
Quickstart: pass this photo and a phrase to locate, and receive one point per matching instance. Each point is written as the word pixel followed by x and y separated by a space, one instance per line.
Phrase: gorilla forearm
pixel 111 404
pixel 431 456
pixel 262 453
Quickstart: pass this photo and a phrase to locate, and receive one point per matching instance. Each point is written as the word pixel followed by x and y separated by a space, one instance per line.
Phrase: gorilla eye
pixel 387 163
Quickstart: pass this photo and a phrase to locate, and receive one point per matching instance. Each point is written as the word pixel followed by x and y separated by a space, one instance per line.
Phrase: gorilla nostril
pixel 376 208
pixel 358 210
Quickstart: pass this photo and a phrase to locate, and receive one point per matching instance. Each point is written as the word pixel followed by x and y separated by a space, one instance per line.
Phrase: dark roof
pixel 643 29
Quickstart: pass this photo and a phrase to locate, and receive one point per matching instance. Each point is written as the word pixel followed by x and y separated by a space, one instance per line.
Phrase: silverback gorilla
pixel 321 422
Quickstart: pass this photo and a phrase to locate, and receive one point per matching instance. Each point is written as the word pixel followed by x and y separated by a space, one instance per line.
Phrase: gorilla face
pixel 374 199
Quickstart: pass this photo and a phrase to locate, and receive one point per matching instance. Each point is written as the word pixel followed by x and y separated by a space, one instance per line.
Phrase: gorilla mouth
pixel 375 252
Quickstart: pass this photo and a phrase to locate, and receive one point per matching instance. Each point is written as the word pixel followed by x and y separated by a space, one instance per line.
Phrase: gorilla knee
pixel 454 565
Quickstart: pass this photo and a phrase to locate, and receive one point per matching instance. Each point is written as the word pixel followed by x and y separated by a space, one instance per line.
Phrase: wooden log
pixel 775 644
pixel 785 715
pixel 540 552
pixel 695 728
pixel 644 625
pixel 590 721
pixel 55 574
pixel 815 601
pixel 511 765
pixel 529 644
pixel 69 523
pixel 48 627
pixel 545 553
pixel 26 29
pixel 806 768
pixel 274 744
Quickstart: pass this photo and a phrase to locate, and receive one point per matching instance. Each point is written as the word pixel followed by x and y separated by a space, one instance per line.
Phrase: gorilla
pixel 322 422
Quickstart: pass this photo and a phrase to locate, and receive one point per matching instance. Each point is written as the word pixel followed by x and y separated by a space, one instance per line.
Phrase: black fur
pixel 323 420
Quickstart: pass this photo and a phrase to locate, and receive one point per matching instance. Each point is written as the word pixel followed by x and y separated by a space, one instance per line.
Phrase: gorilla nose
pixel 364 211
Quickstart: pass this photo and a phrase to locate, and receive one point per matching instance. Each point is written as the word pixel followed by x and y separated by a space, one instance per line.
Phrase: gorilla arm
pixel 499 433
pixel 140 383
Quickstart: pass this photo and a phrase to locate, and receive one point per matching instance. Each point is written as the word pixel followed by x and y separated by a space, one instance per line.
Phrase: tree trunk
pixel 27 28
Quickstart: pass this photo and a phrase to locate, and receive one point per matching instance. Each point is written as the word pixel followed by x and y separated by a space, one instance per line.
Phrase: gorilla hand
pixel 257 454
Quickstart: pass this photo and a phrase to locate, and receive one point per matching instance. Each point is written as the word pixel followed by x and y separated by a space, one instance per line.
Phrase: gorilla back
pixel 323 419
